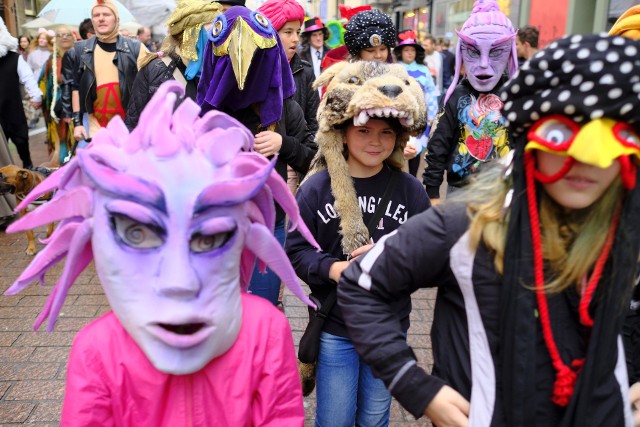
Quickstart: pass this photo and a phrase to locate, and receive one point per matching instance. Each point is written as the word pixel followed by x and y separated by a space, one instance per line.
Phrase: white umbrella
pixel 37 23
pixel 32 26
pixel 73 12
pixel 130 26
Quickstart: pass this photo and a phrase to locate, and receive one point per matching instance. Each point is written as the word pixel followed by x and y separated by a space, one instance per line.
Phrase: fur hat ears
pixel 329 74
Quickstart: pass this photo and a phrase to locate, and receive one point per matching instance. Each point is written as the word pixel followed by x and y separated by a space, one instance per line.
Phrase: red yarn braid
pixel 566 376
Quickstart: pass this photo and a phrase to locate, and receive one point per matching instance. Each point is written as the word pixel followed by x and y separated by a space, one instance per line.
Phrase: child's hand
pixel 448 408
pixel 267 143
pixel 410 151
pixel 336 269
pixel 634 397
pixel 362 249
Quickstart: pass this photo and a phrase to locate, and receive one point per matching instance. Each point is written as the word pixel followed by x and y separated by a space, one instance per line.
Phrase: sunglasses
pixel 64 35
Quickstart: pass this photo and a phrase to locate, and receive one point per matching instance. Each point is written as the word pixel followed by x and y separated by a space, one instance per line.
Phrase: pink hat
pixel 279 12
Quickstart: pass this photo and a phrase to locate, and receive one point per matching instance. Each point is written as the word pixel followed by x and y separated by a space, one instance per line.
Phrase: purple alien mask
pixel 174 215
pixel 486 46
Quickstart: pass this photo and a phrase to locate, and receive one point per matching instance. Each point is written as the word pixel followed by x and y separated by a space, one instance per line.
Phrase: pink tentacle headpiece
pixel 213 153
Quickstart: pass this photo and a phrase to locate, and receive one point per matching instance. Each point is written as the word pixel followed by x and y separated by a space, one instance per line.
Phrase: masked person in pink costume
pixel 470 131
pixel 174 214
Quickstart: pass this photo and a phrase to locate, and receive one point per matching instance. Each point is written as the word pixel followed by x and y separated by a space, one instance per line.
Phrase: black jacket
pixel 305 53
pixel 298 146
pixel 306 97
pixel 78 70
pixel 147 82
pixel 433 249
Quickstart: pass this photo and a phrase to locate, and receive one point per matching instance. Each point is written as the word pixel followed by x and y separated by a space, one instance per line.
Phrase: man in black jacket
pixel 100 72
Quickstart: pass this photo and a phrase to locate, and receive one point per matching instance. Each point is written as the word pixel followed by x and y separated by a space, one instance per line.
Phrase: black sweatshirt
pixel 316 202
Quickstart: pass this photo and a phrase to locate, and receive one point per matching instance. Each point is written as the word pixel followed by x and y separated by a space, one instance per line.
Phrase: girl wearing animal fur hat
pixel 535 262
pixel 365 118
pixel 470 130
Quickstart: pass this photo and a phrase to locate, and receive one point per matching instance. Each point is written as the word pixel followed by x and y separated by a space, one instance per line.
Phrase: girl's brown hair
pixel 34 42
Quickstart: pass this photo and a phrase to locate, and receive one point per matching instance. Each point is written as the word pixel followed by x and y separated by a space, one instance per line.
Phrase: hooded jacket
pixel 466 325
pixel 456 133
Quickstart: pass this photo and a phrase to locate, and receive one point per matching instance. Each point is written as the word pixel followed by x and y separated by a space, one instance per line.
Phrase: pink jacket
pixel 110 382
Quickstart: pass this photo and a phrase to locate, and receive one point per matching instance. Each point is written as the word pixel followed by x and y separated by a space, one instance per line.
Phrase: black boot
pixel 22 144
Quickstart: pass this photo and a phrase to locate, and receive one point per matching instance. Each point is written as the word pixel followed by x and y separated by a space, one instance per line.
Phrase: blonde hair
pixel 571 240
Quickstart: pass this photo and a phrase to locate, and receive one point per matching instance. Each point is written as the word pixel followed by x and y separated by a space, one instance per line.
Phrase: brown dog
pixel 20 182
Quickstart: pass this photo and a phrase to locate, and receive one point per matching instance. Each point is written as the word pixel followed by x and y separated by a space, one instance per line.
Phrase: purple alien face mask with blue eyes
pixel 175 216
pixel 486 47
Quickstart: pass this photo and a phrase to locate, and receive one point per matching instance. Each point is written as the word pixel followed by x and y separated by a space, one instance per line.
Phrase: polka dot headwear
pixel 559 80
pixel 583 78
pixel 368 29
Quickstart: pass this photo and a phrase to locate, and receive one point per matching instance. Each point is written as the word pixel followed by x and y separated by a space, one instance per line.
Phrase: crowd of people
pixel 533 249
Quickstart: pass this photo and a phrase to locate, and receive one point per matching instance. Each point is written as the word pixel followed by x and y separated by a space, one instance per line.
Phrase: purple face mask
pixel 485 60
pixel 486 47
pixel 175 216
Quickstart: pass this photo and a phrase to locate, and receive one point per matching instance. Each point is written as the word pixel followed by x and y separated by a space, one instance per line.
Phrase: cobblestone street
pixel 33 365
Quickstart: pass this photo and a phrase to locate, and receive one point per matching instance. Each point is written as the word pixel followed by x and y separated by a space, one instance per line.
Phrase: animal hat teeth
pixel 361 119
pixel 406 121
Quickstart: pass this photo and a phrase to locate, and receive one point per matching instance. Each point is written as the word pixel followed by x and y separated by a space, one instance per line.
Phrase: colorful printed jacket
pixel 468 132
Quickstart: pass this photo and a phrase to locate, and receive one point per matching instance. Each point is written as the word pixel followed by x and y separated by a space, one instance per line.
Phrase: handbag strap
pixel 391 185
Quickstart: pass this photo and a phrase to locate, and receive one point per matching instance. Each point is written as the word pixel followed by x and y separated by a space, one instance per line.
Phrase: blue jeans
pixel 347 393
pixel 268 285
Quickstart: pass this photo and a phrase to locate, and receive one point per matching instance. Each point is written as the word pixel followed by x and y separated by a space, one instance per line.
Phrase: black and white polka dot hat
pixel 583 77
pixel 367 29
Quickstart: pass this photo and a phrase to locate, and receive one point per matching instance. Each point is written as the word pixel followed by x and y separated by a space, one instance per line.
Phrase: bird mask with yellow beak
pixel 245 64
